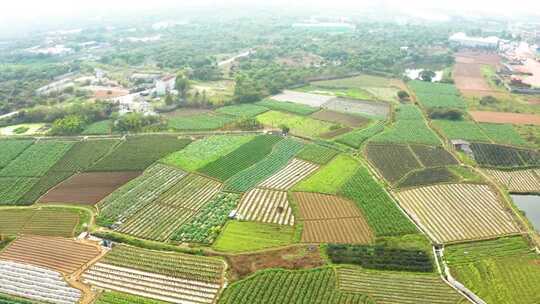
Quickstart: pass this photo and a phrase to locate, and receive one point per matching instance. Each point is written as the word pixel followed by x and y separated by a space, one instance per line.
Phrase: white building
pixel 462 39
pixel 165 85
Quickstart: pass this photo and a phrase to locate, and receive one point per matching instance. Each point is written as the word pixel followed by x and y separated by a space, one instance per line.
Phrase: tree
pixel 285 129
pixel 427 75
pixel 182 85
pixel 488 100
pixel 450 114
pixel 69 125
pixel 403 95
pixel 137 122
pixel 246 90
pixel 169 99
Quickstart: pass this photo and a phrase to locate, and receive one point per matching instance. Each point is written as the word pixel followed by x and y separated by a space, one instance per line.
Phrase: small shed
pixel 463 146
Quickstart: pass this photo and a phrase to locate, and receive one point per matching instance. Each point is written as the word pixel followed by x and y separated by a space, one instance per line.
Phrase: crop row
pixel 46 221
pixel 207 121
pixel 111 297
pixel 317 154
pixel 357 137
pixel 10 149
pixel 12 189
pixel 287 107
pixel 37 159
pixel 490 155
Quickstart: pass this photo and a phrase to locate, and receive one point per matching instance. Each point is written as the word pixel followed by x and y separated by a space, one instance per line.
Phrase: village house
pixel 165 85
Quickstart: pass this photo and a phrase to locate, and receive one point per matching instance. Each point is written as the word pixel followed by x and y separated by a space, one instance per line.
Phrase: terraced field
pixel 525 181
pixel 291 174
pixel 267 206
pixel 398 288
pixel 457 212
pixel 58 254
pixel 165 276
pixel 44 221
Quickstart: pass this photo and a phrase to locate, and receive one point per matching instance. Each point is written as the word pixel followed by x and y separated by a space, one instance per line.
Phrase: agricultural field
pixel 88 188
pixel 499 156
pixel 201 122
pixel 48 221
pixel 37 159
pixel 428 176
pixel 267 206
pixel 379 209
pixel 466 130
pixel 397 288
pixel 165 276
pixel 289 107
pixel 113 297
pixel 241 158
pixel 84 154
pixel 288 286
pixel 299 125
pixel 240 236
pixel 525 181
pixel 206 150
pixel 499 271
pixel 330 177
pixel 331 219
pixel 370 109
pixel 41 186
pixel 381 88
pixel 317 154
pixel 356 138
pixel 35 283
pixel 392 161
pixel 460 212
pixel 59 254
pixel 505 118
pixel 433 156
pixel 139 152
pixel 295 171
pixel 4 299
pixel 99 128
pixel 437 95
pixel 308 99
pixel 242 110
pixel 12 189
pixel 137 194
pixel 10 149
pixel 503 134
pixel 348 120
pixel 159 219
pixel 278 159
pixel 206 225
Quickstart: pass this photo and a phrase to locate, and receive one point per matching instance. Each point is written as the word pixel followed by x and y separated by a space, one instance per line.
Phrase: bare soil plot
pixel 332 219
pixel 468 75
pixel 516 181
pixel 314 100
pixel 267 206
pixel 295 171
pixel 457 212
pixel 88 188
pixel 60 254
pixel 352 121
pixel 361 107
pixel 503 117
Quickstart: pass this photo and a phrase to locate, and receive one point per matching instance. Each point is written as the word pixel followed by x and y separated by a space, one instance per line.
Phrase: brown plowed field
pixel 331 219
pixel 502 117
pixel 353 121
pixel 87 188
pixel 63 255
pixel 468 76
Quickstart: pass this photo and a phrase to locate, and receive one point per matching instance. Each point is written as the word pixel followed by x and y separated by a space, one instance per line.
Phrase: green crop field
pixel 358 82
pixel 113 297
pixel 299 125
pixel 139 152
pixel 437 95
pixel 240 236
pixel 503 134
pixel 357 137
pixel 281 155
pixel 84 154
pixel 204 151
pixel 317 154
pixel 293 287
pixel 410 127
pixel 12 189
pixel 243 110
pixel 242 158
pixel 499 271
pixel 42 185
pixel 331 177
pixel 381 212
pixel 5 299
pixel 392 161
pixel 10 149
pixel 433 156
pixel 99 128
pixel 290 107
pixel 428 176
pixel 466 130
pixel 206 225
pixel 491 155
pixel 37 159
pixel 48 221
pixel 200 122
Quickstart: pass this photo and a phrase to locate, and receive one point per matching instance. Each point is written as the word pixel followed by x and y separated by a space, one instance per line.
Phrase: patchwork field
pixel 503 134
pixel 499 156
pixel 525 181
pixel 317 154
pixel 12 189
pixel 242 110
pixel 312 100
pixel 352 121
pixel 295 171
pixel 58 254
pixel 360 107
pixel 49 221
pixel 356 138
pixel 165 276
pixel 10 149
pixel 330 177
pixel 503 117
pixel 267 206
pixel 88 188
pixel 466 130
pixel 398 288
pixel 457 212
pixel 437 95
pixel 299 125
pixel 289 107
pixel 331 219
pixel 379 87
pixel 468 74
pixel 239 236
pixel 200 122
pixel 113 297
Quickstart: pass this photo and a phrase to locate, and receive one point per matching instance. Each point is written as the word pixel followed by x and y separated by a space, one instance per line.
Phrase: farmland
pixel 371 109
pixel 499 156
pixel 437 95
pixel 331 219
pixel 352 121
pixel 397 288
pixel 283 151
pixel 51 221
pixel 59 254
pixel 381 88
pixel 392 161
pixel 295 171
pixel 312 100
pixel 428 176
pixel 505 118
pixel 243 110
pixel 12 189
pixel 289 107
pixel 286 286
pixel 331 177
pixel 204 151
pixel 317 154
pixel 357 137
pixel 503 134
pixel 525 181
pixel 461 212
pixel 201 122
pixel 267 206
pixel 139 152
pixel 84 154
pixel 169 277
pixel 10 149
pixel 112 297
pixel 299 125
pixel 98 128
pixel 238 236
pixel 466 130
pixel 241 158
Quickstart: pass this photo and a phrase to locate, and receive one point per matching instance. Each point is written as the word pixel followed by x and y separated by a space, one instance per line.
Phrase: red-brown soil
pixel 87 188
pixel 468 76
pixel 502 117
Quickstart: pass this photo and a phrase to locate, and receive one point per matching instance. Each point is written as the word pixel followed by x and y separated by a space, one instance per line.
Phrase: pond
pixel 415 74
pixel 530 204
